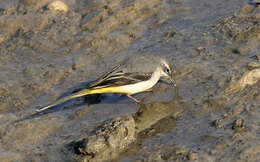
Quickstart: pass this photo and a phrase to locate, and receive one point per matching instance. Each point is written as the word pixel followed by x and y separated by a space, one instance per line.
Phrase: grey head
pixel 147 64
pixel 144 64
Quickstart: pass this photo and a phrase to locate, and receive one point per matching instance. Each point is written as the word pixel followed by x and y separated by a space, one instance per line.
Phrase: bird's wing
pixel 104 77
pixel 120 79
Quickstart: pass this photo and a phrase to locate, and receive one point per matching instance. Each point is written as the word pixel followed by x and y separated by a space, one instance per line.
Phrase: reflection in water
pixel 158 116
pixel 154 118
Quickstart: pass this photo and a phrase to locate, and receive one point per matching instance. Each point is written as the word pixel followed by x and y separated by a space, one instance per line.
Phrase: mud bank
pixel 47 53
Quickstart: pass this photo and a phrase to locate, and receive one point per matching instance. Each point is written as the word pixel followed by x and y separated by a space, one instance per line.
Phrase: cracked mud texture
pixel 46 54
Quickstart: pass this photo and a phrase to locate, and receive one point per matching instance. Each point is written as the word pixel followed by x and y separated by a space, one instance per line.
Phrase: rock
pixel 58 6
pixel 110 138
pixel 238 125
pixel 246 9
pixel 249 78
pixel 217 123
pixel 256 16
pixel 200 48
pixel 2 38
pixel 253 65
pixel 258 57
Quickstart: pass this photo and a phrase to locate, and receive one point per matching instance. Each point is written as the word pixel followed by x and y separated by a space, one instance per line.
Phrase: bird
pixel 135 75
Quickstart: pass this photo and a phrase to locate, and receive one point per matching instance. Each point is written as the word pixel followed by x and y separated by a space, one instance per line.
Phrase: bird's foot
pixel 136 100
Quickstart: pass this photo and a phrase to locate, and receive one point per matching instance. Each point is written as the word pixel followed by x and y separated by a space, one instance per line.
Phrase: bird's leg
pixel 136 100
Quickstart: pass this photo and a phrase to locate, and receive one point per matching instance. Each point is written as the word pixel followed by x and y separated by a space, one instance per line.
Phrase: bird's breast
pixel 140 86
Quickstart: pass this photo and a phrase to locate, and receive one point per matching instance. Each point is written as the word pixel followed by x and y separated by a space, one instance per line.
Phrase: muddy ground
pixel 46 54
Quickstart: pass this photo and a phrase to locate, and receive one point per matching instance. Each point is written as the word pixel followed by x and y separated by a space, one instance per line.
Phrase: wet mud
pixel 49 51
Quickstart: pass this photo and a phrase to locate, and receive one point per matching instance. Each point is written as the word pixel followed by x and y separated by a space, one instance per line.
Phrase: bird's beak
pixel 172 80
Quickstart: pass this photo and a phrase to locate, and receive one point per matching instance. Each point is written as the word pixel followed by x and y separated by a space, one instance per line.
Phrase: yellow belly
pixel 131 88
pixel 107 90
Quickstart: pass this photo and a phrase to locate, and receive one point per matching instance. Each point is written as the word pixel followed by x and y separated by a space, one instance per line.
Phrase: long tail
pixel 78 94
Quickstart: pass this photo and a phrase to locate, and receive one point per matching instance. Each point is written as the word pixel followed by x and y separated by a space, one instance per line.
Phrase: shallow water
pixel 45 54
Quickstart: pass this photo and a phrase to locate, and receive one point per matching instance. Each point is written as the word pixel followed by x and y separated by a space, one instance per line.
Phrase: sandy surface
pixel 213 45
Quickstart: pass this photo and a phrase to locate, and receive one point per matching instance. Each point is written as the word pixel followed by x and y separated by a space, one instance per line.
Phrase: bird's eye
pixel 167 70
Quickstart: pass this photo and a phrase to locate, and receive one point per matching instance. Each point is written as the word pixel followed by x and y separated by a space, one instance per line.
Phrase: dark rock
pixel 238 125
pixel 109 139
pixel 217 123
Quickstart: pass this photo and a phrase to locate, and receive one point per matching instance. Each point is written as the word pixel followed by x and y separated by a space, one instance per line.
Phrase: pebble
pixel 253 65
pixel 258 57
pixel 238 125
pixel 58 6
pixel 200 48
pixel 217 123
pixel 2 38
pixel 246 9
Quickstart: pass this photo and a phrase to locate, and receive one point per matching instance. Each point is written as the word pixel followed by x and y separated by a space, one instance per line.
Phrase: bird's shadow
pixel 88 99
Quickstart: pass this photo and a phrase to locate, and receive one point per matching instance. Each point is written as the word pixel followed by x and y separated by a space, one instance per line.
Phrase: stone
pixel 246 9
pixel 111 136
pixel 58 6
pixel 238 125
pixel 253 65
pixel 249 78
pixel 217 123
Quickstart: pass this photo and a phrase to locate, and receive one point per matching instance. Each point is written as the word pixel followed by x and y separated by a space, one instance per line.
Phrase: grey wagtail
pixel 135 75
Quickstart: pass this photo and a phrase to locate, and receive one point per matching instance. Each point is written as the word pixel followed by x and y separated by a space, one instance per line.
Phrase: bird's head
pixel 166 71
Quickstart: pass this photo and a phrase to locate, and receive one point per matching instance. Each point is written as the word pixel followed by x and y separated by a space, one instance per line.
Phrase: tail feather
pixel 78 94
